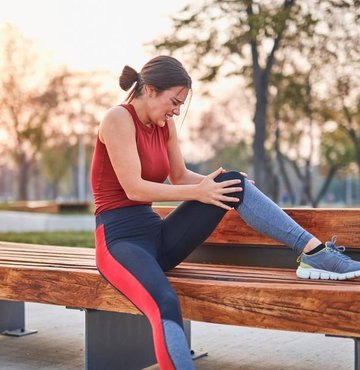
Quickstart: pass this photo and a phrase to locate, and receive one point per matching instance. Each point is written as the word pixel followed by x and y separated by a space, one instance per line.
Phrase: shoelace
pixel 332 247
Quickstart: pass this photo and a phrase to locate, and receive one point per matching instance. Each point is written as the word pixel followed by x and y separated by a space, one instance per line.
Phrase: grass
pixel 69 238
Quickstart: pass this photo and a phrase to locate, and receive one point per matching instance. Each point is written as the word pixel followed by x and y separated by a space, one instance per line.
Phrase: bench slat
pixel 22 247
pixel 325 308
pixel 321 222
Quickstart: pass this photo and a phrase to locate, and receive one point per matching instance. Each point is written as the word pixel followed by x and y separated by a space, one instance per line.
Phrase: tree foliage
pixel 269 43
pixel 232 38
pixel 41 104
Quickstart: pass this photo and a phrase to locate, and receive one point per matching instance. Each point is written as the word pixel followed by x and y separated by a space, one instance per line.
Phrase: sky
pixel 102 35
pixel 92 34
pixel 95 35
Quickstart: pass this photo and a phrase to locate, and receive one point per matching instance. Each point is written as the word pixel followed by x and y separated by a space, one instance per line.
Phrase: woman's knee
pixel 233 175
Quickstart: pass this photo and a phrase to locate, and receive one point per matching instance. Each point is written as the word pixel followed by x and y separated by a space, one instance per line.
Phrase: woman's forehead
pixel 178 92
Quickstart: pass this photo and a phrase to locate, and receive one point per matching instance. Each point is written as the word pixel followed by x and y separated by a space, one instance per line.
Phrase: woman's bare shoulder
pixel 116 119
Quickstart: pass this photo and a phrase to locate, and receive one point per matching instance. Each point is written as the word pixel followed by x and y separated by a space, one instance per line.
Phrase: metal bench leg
pixel 117 341
pixel 194 354
pixel 121 341
pixel 12 319
pixel 357 353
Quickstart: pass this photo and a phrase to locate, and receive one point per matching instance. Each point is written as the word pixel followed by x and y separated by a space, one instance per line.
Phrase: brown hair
pixel 161 72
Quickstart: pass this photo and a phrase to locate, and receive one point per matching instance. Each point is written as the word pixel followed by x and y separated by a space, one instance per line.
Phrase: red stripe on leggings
pixel 127 284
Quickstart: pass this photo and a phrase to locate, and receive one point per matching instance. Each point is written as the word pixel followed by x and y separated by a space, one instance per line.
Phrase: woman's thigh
pixel 135 272
pixel 190 224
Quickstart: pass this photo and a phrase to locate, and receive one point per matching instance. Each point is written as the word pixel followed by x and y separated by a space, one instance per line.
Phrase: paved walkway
pixel 59 345
pixel 30 221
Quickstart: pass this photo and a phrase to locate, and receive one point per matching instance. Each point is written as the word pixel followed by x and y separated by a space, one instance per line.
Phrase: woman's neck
pixel 140 108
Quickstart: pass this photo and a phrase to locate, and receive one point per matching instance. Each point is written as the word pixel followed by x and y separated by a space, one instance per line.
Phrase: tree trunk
pixel 23 176
pixel 325 186
pixel 357 154
pixel 308 182
pixel 281 163
pixel 285 177
pixel 262 177
pixel 55 189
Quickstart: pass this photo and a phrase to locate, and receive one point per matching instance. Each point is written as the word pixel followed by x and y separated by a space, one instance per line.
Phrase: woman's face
pixel 164 105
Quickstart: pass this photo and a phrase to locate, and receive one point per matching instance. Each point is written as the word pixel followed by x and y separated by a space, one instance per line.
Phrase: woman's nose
pixel 176 111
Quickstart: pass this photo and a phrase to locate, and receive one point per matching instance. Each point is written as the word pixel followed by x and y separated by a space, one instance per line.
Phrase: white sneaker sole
pixel 324 275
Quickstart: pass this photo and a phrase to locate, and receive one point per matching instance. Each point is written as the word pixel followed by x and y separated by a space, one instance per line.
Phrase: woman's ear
pixel 149 90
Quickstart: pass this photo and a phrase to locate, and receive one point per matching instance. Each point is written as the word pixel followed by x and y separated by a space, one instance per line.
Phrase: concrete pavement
pixel 59 345
pixel 31 221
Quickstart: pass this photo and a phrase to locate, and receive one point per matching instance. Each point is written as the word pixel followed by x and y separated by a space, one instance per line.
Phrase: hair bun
pixel 128 77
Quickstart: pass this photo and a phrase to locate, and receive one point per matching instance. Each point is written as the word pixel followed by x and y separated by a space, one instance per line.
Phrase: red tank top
pixel 151 145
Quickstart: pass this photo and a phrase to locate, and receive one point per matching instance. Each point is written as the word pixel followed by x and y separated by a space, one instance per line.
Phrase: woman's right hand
pixel 215 193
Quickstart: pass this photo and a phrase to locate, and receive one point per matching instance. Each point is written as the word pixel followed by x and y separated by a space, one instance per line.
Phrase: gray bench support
pixel 12 319
pixel 119 341
pixel 356 348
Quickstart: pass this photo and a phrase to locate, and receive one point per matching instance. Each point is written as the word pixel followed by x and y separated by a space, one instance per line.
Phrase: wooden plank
pixel 40 259
pixel 46 248
pixel 279 276
pixel 319 308
pixel 285 307
pixel 321 222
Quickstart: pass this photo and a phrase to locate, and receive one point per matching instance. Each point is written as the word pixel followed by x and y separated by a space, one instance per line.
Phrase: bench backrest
pixel 321 222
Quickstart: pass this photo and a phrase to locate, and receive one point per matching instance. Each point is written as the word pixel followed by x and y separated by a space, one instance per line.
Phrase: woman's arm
pixel 117 132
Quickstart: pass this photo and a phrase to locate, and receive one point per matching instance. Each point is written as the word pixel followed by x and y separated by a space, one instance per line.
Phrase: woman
pixel 136 150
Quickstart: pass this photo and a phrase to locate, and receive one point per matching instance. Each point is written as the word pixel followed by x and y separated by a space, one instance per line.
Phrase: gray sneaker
pixel 329 263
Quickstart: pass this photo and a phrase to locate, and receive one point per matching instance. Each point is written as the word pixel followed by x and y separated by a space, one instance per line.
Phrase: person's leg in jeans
pixel 190 224
pixel 265 216
pixel 320 261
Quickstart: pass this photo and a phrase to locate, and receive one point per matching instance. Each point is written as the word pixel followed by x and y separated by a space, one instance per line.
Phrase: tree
pixel 250 39
pixel 300 114
pixel 338 153
pixel 344 110
pixel 39 104
pixel 56 162
pixel 239 38
pixel 25 104
pixel 222 120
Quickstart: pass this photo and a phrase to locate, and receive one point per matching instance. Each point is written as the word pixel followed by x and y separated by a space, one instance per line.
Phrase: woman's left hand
pixel 246 176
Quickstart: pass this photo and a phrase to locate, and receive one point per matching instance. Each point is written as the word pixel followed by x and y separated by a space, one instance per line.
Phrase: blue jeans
pixel 261 213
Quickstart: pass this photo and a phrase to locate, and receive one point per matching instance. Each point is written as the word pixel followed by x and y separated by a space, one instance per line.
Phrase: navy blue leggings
pixel 135 246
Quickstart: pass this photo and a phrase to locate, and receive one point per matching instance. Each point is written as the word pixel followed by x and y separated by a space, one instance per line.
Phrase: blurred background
pixel 276 93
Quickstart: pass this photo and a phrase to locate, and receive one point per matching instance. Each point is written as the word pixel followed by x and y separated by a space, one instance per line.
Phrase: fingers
pixel 232 190
pixel 229 199
pixel 216 173
pixel 222 205
pixel 225 198
pixel 227 183
pixel 246 176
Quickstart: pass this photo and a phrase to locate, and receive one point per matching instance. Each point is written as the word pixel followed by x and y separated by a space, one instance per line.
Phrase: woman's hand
pixel 246 175
pixel 212 192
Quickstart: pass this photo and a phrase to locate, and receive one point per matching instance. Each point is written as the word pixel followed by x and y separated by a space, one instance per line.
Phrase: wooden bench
pixel 237 277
